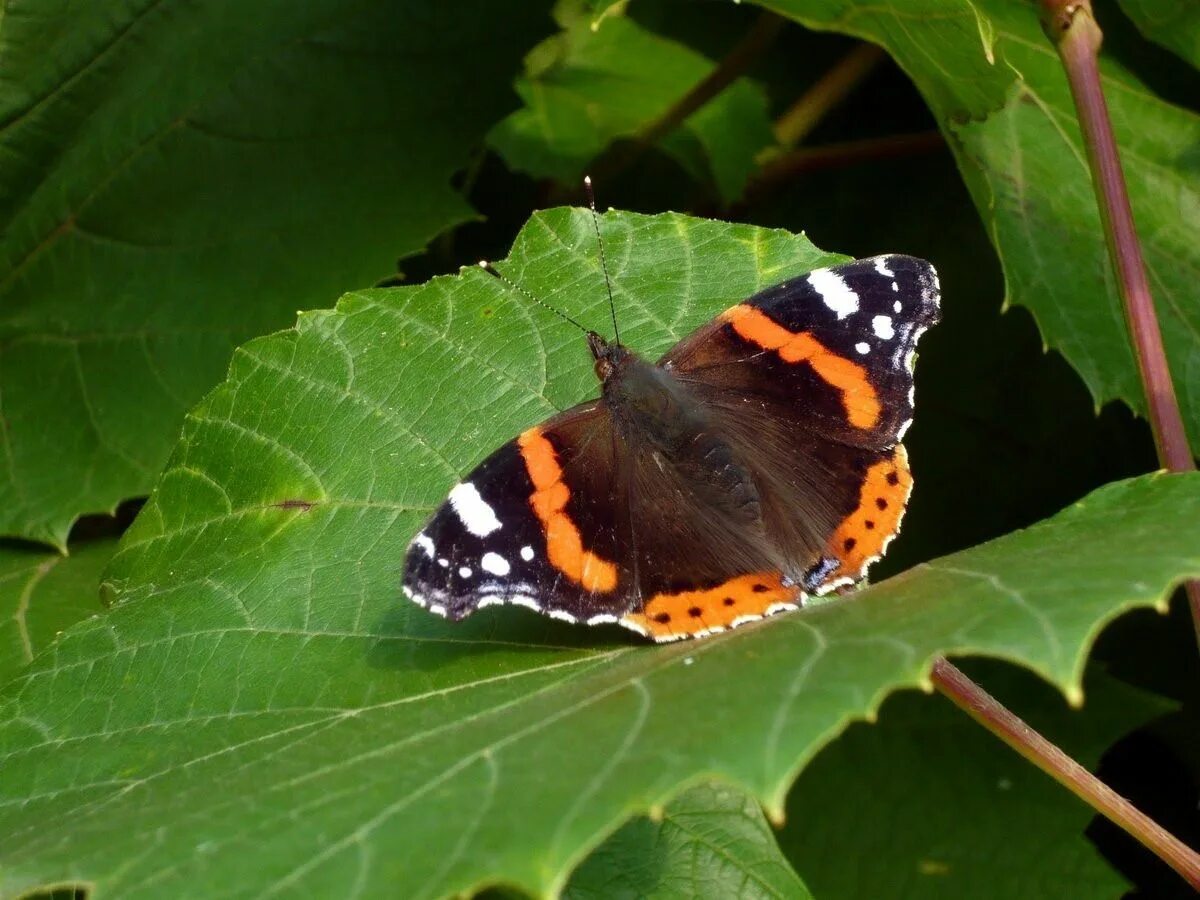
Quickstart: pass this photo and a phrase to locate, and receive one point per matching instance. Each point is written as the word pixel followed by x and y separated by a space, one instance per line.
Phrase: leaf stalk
pixel 992 715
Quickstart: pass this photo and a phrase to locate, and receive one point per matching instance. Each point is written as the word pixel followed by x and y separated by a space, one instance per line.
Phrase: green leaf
pixel 1173 23
pixel 711 841
pixel 261 672
pixel 997 87
pixel 943 809
pixel 604 79
pixel 42 593
pixel 176 179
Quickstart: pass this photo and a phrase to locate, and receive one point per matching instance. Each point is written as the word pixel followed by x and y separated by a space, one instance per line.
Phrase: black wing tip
pixel 922 270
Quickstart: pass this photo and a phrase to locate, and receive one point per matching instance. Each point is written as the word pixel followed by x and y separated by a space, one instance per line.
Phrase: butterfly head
pixel 609 356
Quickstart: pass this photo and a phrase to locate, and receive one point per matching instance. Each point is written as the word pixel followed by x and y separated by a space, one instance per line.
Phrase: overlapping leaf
pixel 177 178
pixel 604 77
pixel 996 85
pixel 262 714
pixel 710 841
pixel 1172 23
pixel 42 593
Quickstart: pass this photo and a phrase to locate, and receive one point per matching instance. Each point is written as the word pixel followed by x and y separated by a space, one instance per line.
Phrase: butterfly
pixel 755 466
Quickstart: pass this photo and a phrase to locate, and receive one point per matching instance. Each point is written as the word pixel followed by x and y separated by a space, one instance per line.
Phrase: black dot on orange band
pixel 694 612
pixel 728 601
pixel 869 524
pixel 848 544
pixel 893 478
pixel 881 503
pixel 664 618
pixel 758 589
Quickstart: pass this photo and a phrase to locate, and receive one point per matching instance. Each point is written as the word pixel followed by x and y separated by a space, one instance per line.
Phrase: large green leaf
pixel 177 178
pixel 43 593
pixel 605 78
pixel 262 713
pixel 997 87
pixel 1172 23
pixel 710 841
pixel 941 809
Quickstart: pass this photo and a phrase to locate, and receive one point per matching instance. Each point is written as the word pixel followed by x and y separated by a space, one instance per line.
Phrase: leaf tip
pixel 776 813
pixel 1074 694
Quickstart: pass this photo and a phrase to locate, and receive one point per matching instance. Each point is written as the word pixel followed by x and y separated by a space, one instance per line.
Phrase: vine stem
pixel 1075 33
pixel 992 715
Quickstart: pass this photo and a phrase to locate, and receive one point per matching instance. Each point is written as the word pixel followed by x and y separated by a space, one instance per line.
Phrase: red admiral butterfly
pixel 755 465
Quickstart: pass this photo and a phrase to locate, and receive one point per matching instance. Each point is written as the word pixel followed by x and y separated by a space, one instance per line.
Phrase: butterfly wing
pixel 536 524
pixel 811 381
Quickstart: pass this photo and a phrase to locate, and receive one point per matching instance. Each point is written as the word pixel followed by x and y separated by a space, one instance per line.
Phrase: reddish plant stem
pixel 989 712
pixel 805 160
pixel 1072 28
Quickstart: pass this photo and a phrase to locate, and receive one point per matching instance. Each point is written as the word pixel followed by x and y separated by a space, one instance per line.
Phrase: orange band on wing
pixel 744 598
pixel 858 397
pixel 863 535
pixel 564 546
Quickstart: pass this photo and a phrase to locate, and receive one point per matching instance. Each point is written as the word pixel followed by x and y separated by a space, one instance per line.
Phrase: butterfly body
pixel 756 464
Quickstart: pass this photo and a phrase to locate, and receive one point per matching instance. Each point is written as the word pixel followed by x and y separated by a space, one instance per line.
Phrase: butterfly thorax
pixel 646 400
pixel 659 420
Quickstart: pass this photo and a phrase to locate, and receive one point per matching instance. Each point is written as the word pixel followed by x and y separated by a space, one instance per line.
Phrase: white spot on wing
pixel 495 563
pixel 863 347
pixel 527 553
pixel 464 572
pixel 882 326
pixel 443 562
pixel 561 614
pixel 479 518
pixel 834 291
pixel 896 306
pixel 602 619
pixel 881 267
pixel 425 542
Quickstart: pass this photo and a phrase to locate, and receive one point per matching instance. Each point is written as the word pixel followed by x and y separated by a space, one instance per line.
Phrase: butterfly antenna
pixel 612 307
pixel 491 270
